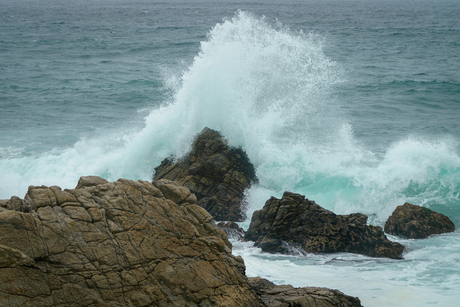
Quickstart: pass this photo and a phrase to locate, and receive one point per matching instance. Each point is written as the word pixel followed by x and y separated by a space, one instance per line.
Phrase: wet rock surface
pixel 288 296
pixel 216 173
pixel 299 222
pixel 122 243
pixel 232 230
pixel 416 222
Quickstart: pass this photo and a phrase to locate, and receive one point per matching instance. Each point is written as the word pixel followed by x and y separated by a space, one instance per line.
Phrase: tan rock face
pixel 123 243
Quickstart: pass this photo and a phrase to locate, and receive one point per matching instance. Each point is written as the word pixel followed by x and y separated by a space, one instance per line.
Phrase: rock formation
pixel 216 173
pixel 116 244
pixel 293 219
pixel 288 296
pixel 232 230
pixel 127 243
pixel 415 222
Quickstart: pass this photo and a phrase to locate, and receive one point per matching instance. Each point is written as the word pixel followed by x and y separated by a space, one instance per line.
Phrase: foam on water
pixel 264 87
pixel 272 91
pixel 377 282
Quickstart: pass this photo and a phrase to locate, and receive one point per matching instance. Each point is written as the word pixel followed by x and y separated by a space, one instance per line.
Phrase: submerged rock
pixel 122 243
pixel 287 296
pixel 295 220
pixel 217 174
pixel 415 222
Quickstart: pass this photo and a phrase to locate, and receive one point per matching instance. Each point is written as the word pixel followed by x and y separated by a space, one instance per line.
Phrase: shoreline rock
pixel 123 243
pixel 216 173
pixel 295 220
pixel 416 222
pixel 287 296
pixel 127 243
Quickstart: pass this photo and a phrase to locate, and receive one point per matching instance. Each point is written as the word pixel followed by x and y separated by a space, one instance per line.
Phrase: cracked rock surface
pixel 122 243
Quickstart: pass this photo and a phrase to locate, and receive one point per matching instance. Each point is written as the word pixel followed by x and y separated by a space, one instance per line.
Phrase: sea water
pixel 353 103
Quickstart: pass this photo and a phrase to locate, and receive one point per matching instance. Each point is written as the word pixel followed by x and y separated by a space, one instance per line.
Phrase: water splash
pixel 264 87
pixel 272 91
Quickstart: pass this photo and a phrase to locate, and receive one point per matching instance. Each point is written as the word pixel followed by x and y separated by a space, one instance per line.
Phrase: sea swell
pixel 273 92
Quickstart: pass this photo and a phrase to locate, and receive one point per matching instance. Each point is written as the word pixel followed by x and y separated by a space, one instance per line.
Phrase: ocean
pixel 353 103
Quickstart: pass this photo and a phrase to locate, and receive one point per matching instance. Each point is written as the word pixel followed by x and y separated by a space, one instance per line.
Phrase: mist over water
pixel 281 95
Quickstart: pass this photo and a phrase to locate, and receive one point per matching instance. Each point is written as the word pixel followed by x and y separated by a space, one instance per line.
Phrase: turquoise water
pixel 355 104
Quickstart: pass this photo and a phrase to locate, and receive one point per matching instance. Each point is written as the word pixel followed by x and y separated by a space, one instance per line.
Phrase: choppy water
pixel 355 104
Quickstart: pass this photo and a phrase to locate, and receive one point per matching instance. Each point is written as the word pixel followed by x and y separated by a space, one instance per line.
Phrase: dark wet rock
pixel 293 219
pixel 276 246
pixel 232 230
pixel 216 173
pixel 288 296
pixel 416 222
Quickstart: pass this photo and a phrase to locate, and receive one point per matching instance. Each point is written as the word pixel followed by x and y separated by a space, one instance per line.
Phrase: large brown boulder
pixel 217 174
pixel 415 222
pixel 288 296
pixel 122 243
pixel 128 243
pixel 294 221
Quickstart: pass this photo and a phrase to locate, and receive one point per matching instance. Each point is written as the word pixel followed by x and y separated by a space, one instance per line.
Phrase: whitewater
pixel 356 128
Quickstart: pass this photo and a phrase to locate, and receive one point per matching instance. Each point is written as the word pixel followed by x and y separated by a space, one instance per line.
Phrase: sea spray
pixel 387 135
pixel 273 92
pixel 264 87
pixel 415 170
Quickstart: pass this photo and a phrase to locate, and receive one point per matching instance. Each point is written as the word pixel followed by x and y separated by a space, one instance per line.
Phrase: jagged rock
pixel 232 230
pixel 415 222
pixel 217 174
pixel 293 219
pixel 122 243
pixel 288 296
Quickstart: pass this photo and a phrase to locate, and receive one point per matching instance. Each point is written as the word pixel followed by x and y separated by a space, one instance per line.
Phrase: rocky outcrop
pixel 415 222
pixel 232 230
pixel 295 220
pixel 128 243
pixel 216 173
pixel 288 296
pixel 123 243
